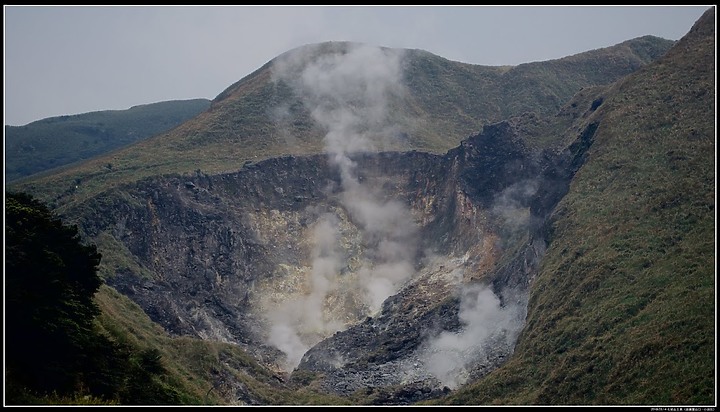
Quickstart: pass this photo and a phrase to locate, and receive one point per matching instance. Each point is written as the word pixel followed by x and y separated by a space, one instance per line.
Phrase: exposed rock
pixel 225 251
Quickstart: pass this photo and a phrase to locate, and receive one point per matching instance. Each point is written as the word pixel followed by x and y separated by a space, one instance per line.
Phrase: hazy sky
pixel 76 59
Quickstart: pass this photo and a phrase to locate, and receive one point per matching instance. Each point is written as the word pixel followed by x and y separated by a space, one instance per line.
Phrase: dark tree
pixel 53 346
pixel 50 280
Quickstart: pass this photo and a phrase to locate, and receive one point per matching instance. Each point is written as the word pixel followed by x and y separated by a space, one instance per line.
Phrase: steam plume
pixel 347 92
pixel 487 327
pixel 300 323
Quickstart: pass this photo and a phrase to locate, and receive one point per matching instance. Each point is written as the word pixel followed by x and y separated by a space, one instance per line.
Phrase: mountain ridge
pixel 217 140
pixel 62 140
pixel 591 224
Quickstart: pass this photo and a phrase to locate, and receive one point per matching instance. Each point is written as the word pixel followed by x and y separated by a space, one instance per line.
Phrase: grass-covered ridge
pixel 623 310
pixel 62 140
pixel 446 102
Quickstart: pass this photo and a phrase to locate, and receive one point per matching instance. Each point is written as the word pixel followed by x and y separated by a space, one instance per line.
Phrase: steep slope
pixel 623 309
pixel 203 372
pixel 436 103
pixel 58 141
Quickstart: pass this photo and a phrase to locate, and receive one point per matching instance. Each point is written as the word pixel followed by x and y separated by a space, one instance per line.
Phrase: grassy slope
pixel 200 369
pixel 447 102
pixel 623 309
pixel 58 141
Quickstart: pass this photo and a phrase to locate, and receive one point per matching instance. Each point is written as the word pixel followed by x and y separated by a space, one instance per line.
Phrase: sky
pixel 62 60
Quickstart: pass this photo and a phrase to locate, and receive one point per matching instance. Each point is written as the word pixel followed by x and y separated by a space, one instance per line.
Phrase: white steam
pixel 347 91
pixel 487 328
pixel 511 205
pixel 299 323
pixel 389 238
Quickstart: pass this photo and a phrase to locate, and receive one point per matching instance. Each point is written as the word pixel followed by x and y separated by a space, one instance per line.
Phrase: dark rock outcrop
pixel 209 256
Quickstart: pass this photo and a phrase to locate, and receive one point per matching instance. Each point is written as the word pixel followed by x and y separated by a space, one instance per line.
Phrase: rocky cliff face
pixel 460 315
pixel 399 284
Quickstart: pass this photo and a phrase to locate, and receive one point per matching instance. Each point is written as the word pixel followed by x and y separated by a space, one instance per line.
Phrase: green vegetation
pixel 55 351
pixel 59 141
pixel 50 281
pixel 207 372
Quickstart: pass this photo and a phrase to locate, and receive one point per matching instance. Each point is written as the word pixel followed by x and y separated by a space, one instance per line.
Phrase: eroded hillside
pixel 387 272
pixel 544 260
